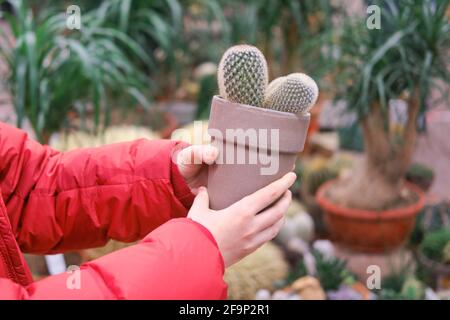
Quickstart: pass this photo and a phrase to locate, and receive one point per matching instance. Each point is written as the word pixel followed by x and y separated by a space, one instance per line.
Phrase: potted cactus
pixel 258 128
pixel 374 209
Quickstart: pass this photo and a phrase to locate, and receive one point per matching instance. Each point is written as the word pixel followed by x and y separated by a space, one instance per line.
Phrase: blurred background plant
pixel 403 60
pixel 149 50
pixel 54 71
pixel 285 30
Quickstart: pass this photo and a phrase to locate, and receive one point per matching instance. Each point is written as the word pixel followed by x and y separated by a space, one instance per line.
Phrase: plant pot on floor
pixel 256 147
pixel 366 230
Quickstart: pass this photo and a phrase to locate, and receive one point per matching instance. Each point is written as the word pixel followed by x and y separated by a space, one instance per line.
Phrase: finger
pixel 197 154
pixel 262 198
pixel 271 215
pixel 210 154
pixel 201 201
pixel 268 234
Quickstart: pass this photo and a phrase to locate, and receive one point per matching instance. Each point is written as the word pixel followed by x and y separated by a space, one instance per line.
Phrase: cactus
pixel 295 93
pixel 434 243
pixel 243 75
pixel 315 178
pixel 412 289
pixel 259 270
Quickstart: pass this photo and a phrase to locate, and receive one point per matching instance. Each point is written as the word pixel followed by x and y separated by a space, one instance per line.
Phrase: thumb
pixel 201 201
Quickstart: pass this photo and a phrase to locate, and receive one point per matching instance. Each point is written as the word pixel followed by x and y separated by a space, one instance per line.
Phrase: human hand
pixel 242 228
pixel 193 164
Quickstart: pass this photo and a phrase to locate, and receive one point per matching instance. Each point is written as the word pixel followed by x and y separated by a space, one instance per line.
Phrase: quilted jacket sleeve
pixel 62 201
pixel 179 260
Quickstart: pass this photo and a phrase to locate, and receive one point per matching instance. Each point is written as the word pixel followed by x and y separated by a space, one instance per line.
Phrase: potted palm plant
pixel 54 71
pixel 374 209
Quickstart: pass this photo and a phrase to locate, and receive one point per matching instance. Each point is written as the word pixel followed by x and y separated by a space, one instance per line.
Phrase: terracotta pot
pixel 366 230
pixel 230 180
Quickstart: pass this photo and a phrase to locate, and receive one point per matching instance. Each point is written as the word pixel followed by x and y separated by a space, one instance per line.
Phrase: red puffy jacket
pixel 52 202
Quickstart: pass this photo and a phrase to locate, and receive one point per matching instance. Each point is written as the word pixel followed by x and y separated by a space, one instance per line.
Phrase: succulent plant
pixel 295 93
pixel 412 289
pixel 434 243
pixel 259 270
pixel 420 175
pixel 434 216
pixel 315 178
pixel 242 75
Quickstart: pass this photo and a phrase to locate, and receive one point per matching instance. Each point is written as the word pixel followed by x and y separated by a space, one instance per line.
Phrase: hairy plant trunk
pixel 377 183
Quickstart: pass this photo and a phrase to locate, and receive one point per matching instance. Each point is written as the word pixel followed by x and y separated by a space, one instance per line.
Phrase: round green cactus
pixel 295 93
pixel 243 75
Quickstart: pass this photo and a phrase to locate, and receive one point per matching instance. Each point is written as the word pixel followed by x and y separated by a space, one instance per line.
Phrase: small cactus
pixel 315 178
pixel 243 75
pixel 434 243
pixel 295 93
pixel 259 270
pixel 413 289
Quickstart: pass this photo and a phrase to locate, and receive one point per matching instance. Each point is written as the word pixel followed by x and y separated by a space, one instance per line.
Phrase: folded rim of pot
pixel 240 124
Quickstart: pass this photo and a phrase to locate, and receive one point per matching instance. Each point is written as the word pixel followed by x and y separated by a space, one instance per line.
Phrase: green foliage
pixel 434 243
pixel 420 174
pixel 54 71
pixel 413 289
pixel 208 87
pixel 401 286
pixel 405 58
pixel 155 25
pixel 420 170
pixel 331 272
pixel 291 32
pixel 297 272
pixel 433 217
pixel 394 281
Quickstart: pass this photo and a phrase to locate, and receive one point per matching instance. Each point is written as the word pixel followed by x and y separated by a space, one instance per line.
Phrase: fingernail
pixel 201 189
pixel 293 176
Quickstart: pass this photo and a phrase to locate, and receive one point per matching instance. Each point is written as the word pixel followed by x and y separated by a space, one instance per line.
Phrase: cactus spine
pixel 243 75
pixel 295 93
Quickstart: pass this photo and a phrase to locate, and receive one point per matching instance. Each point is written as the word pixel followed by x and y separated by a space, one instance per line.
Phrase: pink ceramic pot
pixel 256 147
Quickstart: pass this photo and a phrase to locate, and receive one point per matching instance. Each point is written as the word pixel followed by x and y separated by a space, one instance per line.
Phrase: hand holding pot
pixel 192 163
pixel 247 224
